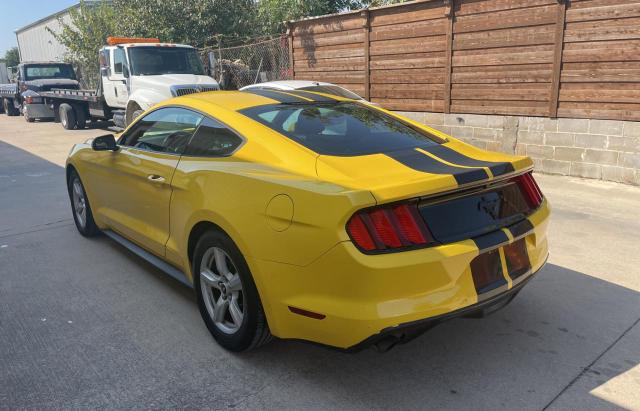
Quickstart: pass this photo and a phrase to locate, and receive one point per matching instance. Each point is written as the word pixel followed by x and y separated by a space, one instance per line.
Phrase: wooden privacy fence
pixel 556 58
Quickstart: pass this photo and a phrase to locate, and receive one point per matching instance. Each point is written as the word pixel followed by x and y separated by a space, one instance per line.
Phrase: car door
pixel 114 85
pixel 136 191
pixel 208 152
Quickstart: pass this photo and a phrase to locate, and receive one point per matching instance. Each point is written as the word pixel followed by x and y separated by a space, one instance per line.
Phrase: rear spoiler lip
pixel 480 184
pixel 458 189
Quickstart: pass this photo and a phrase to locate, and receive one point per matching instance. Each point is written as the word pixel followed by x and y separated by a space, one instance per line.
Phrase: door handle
pixel 154 178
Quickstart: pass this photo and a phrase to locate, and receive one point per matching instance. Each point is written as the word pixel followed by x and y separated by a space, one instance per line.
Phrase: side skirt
pixel 150 258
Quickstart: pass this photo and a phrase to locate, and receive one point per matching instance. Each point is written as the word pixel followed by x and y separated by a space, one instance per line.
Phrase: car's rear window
pixel 340 129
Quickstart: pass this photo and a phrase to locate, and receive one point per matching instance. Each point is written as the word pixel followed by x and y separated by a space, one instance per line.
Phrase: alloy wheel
pixel 222 290
pixel 79 202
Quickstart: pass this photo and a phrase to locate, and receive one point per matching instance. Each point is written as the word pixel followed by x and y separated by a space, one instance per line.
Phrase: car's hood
pixel 418 172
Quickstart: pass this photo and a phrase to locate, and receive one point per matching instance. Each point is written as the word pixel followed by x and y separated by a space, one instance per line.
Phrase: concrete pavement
pixel 85 324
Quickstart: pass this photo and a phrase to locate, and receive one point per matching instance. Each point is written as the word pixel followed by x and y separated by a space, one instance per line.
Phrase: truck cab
pixel 139 73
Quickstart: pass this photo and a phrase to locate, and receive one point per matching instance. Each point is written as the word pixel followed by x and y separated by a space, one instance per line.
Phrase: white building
pixel 36 43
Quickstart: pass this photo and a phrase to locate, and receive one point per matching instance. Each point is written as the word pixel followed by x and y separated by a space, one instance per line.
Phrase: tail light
pixel 530 189
pixel 389 228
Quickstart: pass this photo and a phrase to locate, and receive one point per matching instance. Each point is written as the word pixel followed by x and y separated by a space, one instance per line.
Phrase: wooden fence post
pixel 449 13
pixel 290 45
pixel 367 78
pixel 557 58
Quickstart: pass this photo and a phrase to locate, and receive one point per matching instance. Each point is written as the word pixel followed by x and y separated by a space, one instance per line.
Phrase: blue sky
pixel 19 13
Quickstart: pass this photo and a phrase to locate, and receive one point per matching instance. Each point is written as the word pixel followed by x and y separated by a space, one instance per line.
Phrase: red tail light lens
pixel 530 189
pixel 359 233
pixel 389 228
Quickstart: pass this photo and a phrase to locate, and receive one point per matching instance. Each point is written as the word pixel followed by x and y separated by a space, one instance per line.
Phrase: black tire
pixel 9 109
pixel 67 116
pixel 132 113
pixel 89 228
pixel 81 117
pixel 254 330
pixel 136 114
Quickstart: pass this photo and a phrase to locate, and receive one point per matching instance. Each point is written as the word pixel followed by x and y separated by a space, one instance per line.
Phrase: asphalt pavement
pixel 86 324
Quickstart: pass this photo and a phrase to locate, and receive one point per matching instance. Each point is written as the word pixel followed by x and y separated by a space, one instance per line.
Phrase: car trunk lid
pixel 419 172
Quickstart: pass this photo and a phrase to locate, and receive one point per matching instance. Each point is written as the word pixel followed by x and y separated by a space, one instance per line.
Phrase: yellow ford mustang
pixel 309 216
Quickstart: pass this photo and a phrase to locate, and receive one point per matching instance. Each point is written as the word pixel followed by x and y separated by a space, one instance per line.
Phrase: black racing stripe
pixel 317 98
pixel 521 228
pixel 422 162
pixel 277 96
pixel 490 240
pixel 452 156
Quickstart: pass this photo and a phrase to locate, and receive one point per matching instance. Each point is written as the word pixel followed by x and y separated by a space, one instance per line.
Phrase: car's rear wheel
pixel 227 296
pixel 82 215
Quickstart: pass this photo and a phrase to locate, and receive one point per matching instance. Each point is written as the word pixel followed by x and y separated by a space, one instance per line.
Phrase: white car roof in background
pixel 287 84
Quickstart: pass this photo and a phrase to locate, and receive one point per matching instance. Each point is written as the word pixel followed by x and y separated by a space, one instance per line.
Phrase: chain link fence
pixel 259 61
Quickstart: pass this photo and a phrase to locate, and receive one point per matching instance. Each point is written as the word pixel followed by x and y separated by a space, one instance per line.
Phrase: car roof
pixel 287 84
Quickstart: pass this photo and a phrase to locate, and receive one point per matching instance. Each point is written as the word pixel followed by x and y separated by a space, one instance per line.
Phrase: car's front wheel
pixel 227 296
pixel 82 215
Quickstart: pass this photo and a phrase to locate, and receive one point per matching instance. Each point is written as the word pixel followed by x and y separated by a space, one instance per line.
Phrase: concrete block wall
pixel 599 149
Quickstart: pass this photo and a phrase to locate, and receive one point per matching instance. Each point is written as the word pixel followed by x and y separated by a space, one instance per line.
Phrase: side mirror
pixel 104 143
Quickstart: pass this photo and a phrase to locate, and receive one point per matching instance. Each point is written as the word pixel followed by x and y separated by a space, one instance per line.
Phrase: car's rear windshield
pixel 341 129
pixel 48 71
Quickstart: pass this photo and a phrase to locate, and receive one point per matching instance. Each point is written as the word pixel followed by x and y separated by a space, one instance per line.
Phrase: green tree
pixel 273 13
pixel 12 57
pixel 193 22
pixel 91 24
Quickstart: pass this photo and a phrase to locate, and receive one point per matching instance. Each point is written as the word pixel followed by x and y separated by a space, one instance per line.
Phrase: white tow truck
pixel 135 74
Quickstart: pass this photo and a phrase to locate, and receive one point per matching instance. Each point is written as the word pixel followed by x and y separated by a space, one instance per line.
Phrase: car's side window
pixel 166 130
pixel 213 139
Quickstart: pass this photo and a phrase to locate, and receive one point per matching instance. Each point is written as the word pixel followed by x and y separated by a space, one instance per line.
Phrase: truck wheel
pixel 133 112
pixel 9 108
pixel 2 106
pixel 67 116
pixel 81 117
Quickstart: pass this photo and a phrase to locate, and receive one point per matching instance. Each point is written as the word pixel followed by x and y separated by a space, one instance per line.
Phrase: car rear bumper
pixel 367 299
pixel 403 333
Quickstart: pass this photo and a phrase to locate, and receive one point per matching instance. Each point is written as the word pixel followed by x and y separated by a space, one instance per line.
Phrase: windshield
pixel 48 71
pixel 335 90
pixel 341 129
pixel 150 61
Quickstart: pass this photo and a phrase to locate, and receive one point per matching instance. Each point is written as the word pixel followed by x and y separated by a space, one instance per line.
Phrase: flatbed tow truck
pixel 135 74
